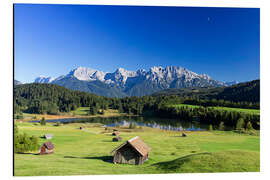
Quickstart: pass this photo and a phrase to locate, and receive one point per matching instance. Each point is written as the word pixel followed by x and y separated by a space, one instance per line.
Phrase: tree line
pixel 53 99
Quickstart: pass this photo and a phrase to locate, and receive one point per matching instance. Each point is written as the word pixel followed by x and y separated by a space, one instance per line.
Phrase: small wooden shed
pixel 133 151
pixel 115 133
pixel 48 136
pixel 115 139
pixel 46 148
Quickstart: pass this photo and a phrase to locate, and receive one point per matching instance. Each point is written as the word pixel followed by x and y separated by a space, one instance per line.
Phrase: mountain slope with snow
pixel 131 83
pixel 42 79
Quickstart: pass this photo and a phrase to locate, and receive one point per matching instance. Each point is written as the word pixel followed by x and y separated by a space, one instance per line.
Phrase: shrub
pixel 19 116
pixel 240 124
pixel 102 111
pixel 92 110
pixel 210 127
pixel 43 121
pixel 249 126
pixel 57 123
pixel 221 126
pixel 132 125
pixel 23 142
pixel 16 129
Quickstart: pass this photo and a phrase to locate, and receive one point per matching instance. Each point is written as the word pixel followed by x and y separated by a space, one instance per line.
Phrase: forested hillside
pixel 51 99
pixel 248 91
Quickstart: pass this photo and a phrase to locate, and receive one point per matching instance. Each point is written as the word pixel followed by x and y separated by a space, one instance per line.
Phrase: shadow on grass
pixel 27 153
pixel 179 136
pixel 107 141
pixel 177 163
pixel 108 159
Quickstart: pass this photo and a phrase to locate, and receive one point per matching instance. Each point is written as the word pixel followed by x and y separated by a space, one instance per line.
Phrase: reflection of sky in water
pixel 170 124
pixel 155 125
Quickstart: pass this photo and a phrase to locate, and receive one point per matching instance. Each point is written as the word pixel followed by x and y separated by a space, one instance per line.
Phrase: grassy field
pixel 79 112
pixel 83 111
pixel 250 111
pixel 87 151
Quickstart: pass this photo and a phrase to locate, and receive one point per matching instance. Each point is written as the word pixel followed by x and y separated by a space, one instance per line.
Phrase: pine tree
pixel 221 126
pixel 249 126
pixel 210 127
pixel 240 124
pixel 43 121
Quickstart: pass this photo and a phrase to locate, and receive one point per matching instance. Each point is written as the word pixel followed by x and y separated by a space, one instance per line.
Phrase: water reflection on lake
pixel 153 122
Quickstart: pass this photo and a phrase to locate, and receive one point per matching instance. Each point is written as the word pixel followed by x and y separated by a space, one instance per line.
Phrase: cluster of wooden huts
pixel 133 151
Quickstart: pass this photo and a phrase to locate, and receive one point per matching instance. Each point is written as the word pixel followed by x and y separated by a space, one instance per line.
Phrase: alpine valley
pixel 123 83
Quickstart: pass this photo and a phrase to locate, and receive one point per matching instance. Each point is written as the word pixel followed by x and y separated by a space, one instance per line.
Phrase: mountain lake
pixel 125 121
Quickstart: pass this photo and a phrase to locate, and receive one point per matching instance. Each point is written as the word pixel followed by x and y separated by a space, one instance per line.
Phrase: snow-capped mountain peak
pixel 140 82
pixel 43 79
pixel 87 74
pixel 231 83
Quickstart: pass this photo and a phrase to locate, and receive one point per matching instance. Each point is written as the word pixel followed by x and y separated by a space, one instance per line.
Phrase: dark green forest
pixel 247 91
pixel 54 99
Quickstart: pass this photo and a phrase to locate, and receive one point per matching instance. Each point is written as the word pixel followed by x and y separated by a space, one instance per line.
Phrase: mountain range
pixel 17 82
pixel 121 82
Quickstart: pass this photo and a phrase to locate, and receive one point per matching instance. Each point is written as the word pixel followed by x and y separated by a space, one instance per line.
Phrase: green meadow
pixel 249 111
pixel 87 151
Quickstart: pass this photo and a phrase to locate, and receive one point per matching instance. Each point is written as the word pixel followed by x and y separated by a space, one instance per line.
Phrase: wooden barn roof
pixel 137 144
pixel 49 145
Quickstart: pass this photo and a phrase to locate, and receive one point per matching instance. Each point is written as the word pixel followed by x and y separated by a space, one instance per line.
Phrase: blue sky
pixel 51 40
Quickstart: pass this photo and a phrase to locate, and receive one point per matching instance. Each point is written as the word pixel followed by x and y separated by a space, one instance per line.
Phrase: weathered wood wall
pixel 127 155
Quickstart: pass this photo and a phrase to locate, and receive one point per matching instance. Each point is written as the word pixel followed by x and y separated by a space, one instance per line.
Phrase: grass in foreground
pixel 225 161
pixel 87 151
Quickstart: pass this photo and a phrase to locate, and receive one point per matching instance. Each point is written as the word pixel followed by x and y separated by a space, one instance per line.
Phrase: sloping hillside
pixel 248 91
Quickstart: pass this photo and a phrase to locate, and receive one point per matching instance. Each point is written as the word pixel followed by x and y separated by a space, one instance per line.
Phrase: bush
pixel 43 121
pixel 249 126
pixel 23 142
pixel 210 127
pixel 16 129
pixel 92 110
pixel 102 111
pixel 57 123
pixel 19 116
pixel 221 126
pixel 132 125
pixel 240 124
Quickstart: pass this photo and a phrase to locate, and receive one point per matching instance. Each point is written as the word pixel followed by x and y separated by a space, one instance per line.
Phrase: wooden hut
pixel 115 139
pixel 115 133
pixel 184 135
pixel 133 151
pixel 48 136
pixel 46 148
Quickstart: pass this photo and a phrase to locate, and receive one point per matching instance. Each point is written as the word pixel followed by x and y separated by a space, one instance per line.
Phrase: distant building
pixel 48 136
pixel 118 138
pixel 115 133
pixel 46 148
pixel 133 151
